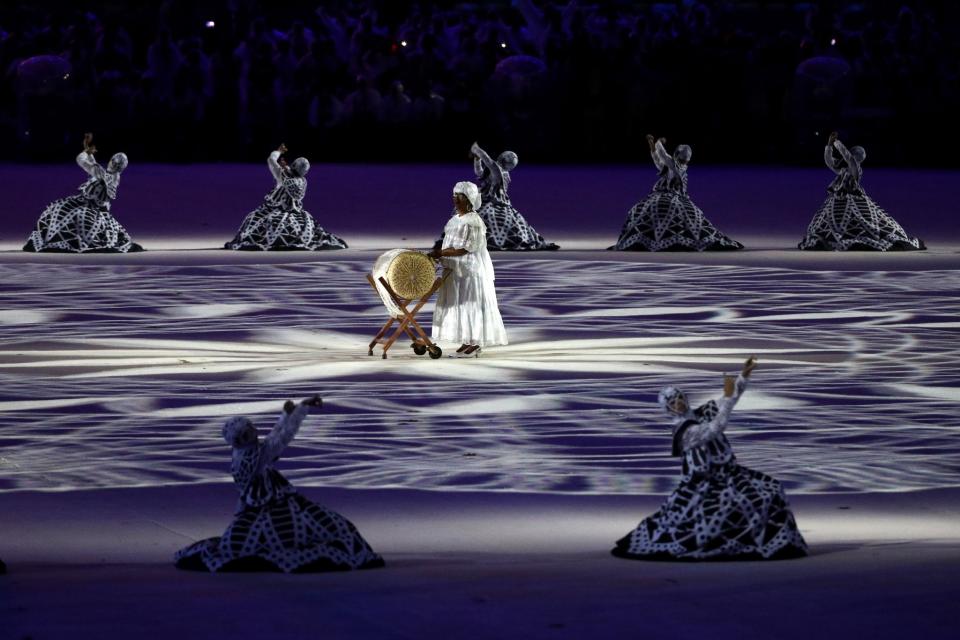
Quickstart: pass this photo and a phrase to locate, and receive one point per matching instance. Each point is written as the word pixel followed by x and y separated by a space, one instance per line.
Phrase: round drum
pixel 409 273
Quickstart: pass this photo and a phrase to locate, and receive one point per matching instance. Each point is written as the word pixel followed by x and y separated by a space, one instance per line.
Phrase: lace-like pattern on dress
pixel 82 223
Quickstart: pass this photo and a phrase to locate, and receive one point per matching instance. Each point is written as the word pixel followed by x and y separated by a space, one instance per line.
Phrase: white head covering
pixel 300 167
pixel 508 160
pixel 667 397
pixel 471 192
pixel 683 153
pixel 118 162
pixel 239 432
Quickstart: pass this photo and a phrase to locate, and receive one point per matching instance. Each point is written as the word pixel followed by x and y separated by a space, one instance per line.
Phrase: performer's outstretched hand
pixel 282 148
pixel 314 402
pixel 833 137
pixel 651 141
pixel 749 366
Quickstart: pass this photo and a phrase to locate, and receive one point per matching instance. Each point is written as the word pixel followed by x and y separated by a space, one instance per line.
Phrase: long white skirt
pixel 467 312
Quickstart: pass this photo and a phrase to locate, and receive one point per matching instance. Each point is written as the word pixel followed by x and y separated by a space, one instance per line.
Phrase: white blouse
pixel 468 232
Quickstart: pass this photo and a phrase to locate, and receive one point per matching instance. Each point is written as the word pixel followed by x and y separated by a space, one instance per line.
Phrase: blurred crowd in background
pixel 573 82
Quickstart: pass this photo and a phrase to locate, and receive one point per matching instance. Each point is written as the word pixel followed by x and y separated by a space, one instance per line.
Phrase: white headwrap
pixel 667 397
pixel 508 160
pixel 471 192
pixel 300 167
pixel 236 432
pixel 118 162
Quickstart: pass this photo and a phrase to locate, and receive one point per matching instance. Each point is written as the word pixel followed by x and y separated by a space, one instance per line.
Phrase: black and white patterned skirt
pixel 78 225
pixel 670 221
pixel 735 514
pixel 290 534
pixel 507 230
pixel 273 229
pixel 856 223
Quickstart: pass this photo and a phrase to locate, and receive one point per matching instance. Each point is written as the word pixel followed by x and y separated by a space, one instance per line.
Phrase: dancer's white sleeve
pixel 274 165
pixel 661 158
pixel 829 160
pixel 845 154
pixel 88 163
pixel 283 433
pixel 698 434
pixel 461 237
pixel 482 159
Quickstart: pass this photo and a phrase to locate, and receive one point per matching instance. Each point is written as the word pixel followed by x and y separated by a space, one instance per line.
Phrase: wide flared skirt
pixel 78 225
pixel 737 514
pixel 466 312
pixel 670 221
pixel 273 229
pixel 848 222
pixel 290 534
pixel 508 230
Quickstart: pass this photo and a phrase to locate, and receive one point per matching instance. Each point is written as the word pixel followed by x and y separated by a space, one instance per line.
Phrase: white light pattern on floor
pixel 117 375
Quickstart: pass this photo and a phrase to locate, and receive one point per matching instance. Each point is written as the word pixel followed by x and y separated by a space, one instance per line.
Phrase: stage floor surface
pixel 493 486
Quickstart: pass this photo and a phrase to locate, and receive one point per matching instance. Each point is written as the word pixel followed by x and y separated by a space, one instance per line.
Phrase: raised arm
pixel 661 158
pixel 845 154
pixel 829 160
pixel 652 143
pixel 482 159
pixel 86 159
pixel 273 163
pixel 286 428
pixel 88 163
pixel 698 434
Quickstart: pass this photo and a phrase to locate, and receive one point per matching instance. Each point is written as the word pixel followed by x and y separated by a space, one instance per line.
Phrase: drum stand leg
pixel 407 324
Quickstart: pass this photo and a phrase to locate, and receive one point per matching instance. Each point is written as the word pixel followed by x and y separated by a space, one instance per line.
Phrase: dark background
pixel 578 82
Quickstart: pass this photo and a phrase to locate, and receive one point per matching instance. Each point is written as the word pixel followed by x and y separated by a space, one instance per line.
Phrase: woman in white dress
pixel 466 310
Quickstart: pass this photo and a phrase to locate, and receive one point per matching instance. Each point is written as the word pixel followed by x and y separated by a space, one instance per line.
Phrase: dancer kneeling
pixel 721 510
pixel 667 219
pixel 281 223
pixel 849 220
pixel 275 528
pixel 82 223
pixel 466 309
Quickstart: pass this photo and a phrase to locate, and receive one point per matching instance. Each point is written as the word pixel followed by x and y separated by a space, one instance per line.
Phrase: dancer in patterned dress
pixel 82 223
pixel 275 528
pixel 281 223
pixel 721 510
pixel 849 220
pixel 507 229
pixel 667 219
pixel 466 309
